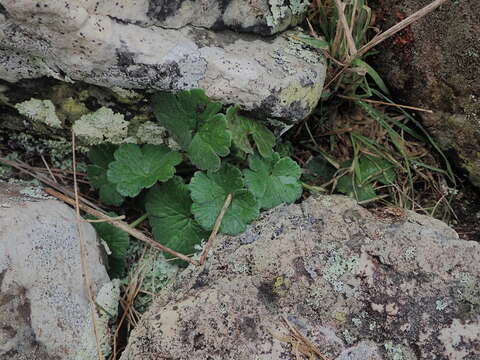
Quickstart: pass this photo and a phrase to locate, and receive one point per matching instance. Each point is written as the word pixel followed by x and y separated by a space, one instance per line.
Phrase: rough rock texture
pixel 131 44
pixel 358 285
pixel 44 308
pixel 434 64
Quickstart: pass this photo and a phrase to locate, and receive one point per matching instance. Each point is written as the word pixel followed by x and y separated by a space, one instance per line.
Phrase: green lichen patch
pixel 102 126
pixel 337 265
pixel 398 352
pixel 153 269
pixel 284 13
pixel 151 133
pixel 40 110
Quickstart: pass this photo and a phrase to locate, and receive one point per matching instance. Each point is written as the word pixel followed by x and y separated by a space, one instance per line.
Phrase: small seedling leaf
pixel 375 169
pixel 273 180
pixel 118 243
pixel 209 143
pixel 242 128
pixel 168 207
pixel 320 170
pixel 315 43
pixel 100 156
pixel 183 113
pixel 137 168
pixel 373 74
pixel 209 191
pixel 359 192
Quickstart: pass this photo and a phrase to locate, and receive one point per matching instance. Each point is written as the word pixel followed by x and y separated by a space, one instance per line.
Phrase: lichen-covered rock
pixel 44 306
pixel 434 64
pixel 358 285
pixel 167 45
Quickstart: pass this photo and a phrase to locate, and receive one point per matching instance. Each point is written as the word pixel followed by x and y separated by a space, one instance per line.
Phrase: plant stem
pixel 137 222
pixel 313 187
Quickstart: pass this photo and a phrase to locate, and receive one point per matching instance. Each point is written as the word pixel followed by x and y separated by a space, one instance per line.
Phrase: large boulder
pixel 44 306
pixel 357 285
pixel 435 64
pixel 169 45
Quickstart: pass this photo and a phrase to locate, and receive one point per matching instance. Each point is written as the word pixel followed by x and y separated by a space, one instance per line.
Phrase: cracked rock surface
pixel 358 285
pixel 169 45
pixel 44 307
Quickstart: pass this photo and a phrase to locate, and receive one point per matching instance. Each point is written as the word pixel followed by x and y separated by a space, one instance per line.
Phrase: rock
pixel 167 45
pixel 434 64
pixel 358 285
pixel 44 307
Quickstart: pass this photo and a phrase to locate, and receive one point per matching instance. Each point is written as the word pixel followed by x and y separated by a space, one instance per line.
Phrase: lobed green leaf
pixel 168 208
pixel 209 191
pixel 183 113
pixel 100 156
pixel 209 143
pixel 242 128
pixel 118 243
pixel 137 168
pixel 273 180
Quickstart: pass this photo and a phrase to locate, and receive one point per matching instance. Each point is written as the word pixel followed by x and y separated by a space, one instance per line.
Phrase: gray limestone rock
pixel 168 45
pixel 358 285
pixel 44 307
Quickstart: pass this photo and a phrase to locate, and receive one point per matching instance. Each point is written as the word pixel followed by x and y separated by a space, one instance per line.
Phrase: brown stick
pixel 216 227
pixel 26 169
pixel 386 103
pixel 83 251
pixel 121 225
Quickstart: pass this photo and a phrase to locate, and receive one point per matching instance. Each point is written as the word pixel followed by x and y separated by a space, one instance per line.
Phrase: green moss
pixel 126 96
pixel 72 109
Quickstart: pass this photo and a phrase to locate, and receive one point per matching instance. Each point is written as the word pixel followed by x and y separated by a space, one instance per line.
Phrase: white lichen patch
pixel 40 110
pixel 101 126
pixel 470 290
pixel 35 192
pixel 441 304
pixel 150 133
pixel 410 253
pixel 348 337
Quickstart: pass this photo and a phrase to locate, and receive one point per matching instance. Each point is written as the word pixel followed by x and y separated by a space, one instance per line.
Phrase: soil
pixel 467 209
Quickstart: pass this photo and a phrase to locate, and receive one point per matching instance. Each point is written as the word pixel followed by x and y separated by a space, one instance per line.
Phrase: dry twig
pixel 121 225
pixel 400 26
pixel 83 253
pixel 216 227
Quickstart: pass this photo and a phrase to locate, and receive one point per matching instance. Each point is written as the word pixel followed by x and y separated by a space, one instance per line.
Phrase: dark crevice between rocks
pixel 3 11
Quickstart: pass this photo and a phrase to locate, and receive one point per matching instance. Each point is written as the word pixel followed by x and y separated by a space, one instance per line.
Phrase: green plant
pixel 117 243
pixel 183 191
pixel 359 142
